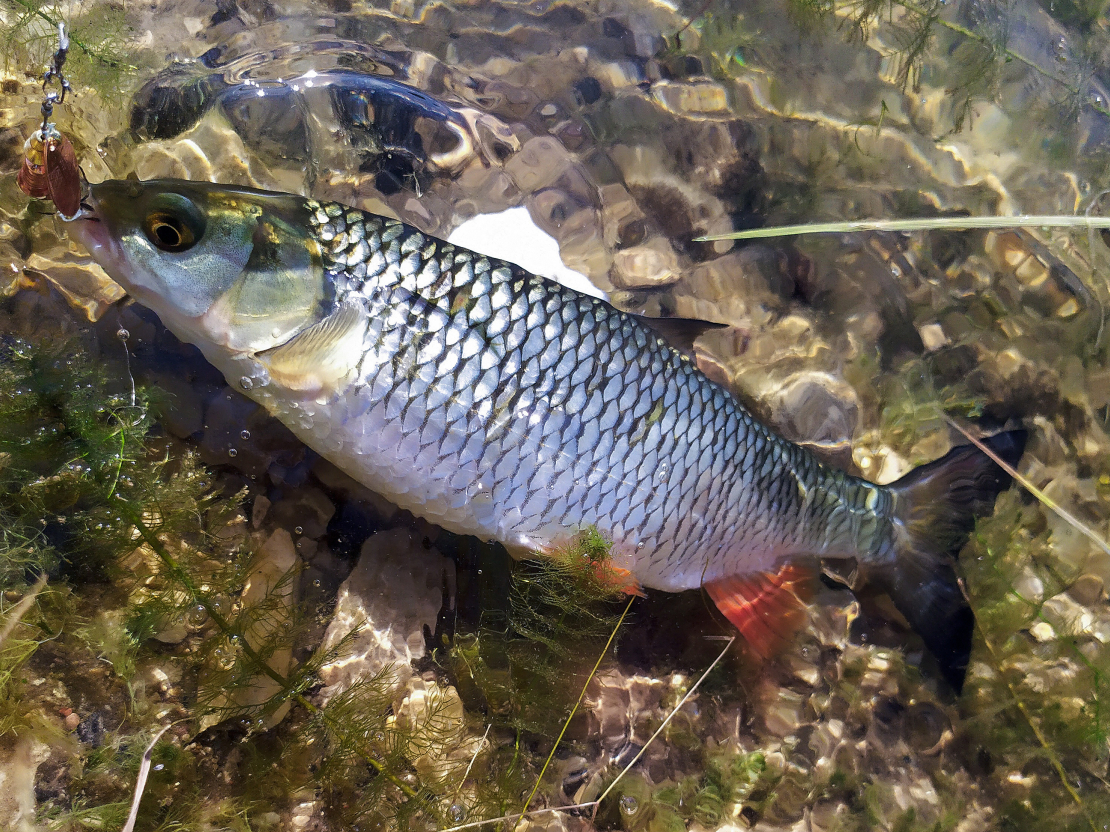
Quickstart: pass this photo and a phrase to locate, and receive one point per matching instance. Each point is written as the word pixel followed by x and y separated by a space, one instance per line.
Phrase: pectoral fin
pixel 322 357
pixel 766 607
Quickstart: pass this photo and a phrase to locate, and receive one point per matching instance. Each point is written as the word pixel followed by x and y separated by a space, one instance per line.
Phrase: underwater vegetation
pixel 1043 672
pixel 99 56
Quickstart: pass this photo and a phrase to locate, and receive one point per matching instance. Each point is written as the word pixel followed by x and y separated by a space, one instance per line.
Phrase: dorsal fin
pixel 680 333
pixel 322 355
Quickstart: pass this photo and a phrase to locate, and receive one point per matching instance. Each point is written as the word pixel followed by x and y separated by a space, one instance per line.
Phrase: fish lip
pixel 89 228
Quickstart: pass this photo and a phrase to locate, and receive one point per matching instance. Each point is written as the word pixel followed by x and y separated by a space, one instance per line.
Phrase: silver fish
pixel 500 404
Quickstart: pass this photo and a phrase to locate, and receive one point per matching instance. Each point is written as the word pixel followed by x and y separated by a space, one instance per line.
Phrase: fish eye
pixel 174 224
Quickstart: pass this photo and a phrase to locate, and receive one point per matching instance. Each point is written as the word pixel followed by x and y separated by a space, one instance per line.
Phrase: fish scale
pixel 501 404
pixel 574 414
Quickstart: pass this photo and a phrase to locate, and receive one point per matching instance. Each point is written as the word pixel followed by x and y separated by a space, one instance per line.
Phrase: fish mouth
pixel 88 228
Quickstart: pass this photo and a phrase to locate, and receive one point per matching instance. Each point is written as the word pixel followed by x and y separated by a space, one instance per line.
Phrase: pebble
pixel 1042 631
pixel 650 265
pixel 691 99
pixel 1087 590
pixel 258 510
pixel 816 407
pixel 72 721
pixel 933 337
pixel 309 510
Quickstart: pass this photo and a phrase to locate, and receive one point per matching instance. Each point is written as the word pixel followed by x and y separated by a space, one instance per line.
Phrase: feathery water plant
pixel 98 57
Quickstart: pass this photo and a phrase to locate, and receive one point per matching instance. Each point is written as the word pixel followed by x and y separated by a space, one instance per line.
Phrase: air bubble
pixel 232 452
pixel 629 805
pixel 298 530
pixel 456 812
pixel 246 383
pixel 224 657
pixel 245 434
pixel 122 334
pixel 197 617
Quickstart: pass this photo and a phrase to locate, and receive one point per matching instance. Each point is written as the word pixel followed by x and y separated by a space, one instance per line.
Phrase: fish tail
pixel 935 510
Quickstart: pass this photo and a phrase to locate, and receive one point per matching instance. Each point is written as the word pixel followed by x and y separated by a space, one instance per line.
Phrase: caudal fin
pixel 935 512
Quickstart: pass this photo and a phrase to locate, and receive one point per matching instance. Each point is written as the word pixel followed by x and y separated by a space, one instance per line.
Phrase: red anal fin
pixel 766 607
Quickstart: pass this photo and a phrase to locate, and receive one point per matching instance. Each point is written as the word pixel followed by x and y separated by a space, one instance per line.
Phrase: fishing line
pixel 123 335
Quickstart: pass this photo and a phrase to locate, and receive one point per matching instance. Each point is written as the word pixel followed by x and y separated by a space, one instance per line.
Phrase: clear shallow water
pixel 624 146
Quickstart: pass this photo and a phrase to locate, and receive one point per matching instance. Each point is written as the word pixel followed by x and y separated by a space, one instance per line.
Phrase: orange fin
pixel 619 579
pixel 605 573
pixel 766 607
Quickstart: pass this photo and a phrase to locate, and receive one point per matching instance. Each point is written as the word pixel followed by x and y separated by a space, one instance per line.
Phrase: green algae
pixel 731 783
pixel 69 447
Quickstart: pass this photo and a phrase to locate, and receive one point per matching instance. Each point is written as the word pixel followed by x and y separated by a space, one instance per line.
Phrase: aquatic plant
pixel 98 56
pixel 1039 708
pixel 1086 222
pixel 65 452
pixel 521 658
pixel 521 664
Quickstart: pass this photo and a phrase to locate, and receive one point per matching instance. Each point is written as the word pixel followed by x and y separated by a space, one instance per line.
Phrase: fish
pixel 497 403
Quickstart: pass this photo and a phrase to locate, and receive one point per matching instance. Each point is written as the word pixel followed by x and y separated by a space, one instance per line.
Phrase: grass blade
pixel 918 224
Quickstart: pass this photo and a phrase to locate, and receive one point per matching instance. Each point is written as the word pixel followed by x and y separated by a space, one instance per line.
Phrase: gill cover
pixel 234 266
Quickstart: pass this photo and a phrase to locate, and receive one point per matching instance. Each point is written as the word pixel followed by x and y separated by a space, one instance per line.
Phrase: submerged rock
pixel 394 591
pixel 20 758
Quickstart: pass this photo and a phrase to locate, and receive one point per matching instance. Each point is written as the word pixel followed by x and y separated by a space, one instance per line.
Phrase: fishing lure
pixel 50 169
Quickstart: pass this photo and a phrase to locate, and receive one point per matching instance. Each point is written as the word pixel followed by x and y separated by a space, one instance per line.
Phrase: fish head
pixel 231 268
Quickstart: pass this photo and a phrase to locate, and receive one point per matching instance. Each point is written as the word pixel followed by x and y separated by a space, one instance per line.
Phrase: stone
pixel 815 407
pixel 932 336
pixel 20 758
pixel 83 283
pixel 306 512
pixel 393 592
pixel 648 266
pixel 691 99
pixel 1087 590
pixel 538 164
